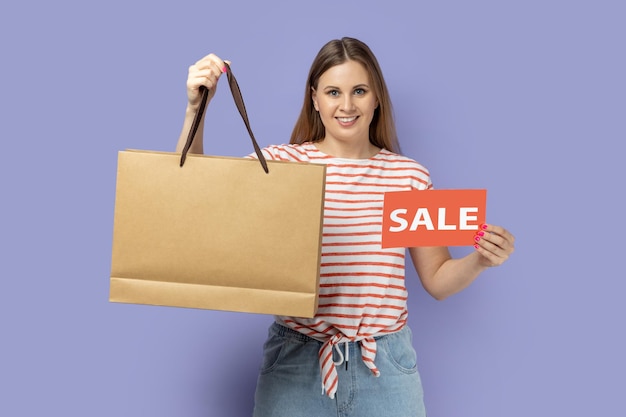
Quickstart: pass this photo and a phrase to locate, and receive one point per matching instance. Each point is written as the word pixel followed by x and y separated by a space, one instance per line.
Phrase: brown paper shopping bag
pixel 217 233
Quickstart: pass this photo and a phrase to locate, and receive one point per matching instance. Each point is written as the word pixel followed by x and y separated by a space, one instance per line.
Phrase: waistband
pixel 328 371
pixel 285 331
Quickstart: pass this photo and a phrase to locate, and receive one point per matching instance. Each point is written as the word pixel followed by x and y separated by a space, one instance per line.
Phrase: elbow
pixel 438 295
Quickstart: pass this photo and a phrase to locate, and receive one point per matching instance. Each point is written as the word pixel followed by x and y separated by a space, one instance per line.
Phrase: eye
pixel 360 91
pixel 333 93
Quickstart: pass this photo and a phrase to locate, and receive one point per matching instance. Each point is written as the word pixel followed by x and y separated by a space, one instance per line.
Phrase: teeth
pixel 346 119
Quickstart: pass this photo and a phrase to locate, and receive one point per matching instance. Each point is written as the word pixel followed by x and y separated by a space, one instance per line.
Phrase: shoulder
pixel 390 159
pixel 405 166
pixel 304 152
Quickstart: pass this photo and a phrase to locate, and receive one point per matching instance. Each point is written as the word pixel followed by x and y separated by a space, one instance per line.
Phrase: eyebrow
pixel 337 88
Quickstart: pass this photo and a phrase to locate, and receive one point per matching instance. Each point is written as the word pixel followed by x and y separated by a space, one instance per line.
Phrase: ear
pixel 314 98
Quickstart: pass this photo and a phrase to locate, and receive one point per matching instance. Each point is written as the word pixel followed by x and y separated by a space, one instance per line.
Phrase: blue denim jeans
pixel 289 383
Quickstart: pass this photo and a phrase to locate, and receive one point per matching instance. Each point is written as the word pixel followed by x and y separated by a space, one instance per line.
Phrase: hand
pixel 206 72
pixel 494 243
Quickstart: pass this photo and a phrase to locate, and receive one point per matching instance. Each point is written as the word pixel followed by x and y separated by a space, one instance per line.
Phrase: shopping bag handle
pixel 236 92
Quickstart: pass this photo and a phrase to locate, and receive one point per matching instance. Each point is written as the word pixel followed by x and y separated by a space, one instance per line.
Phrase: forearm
pixel 453 276
pixel 197 146
pixel 443 276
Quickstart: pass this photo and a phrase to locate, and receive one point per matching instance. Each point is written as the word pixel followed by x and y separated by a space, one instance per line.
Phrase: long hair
pixel 309 126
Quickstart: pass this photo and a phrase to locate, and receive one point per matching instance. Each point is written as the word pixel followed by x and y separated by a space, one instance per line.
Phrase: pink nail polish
pixel 477 238
pixel 484 226
pixel 224 68
pixel 476 246
pixel 481 233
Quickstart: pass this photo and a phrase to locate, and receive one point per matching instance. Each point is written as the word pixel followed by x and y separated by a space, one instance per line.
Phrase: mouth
pixel 347 121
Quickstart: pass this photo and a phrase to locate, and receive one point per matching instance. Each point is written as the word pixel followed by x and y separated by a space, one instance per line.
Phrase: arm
pixel 443 276
pixel 205 72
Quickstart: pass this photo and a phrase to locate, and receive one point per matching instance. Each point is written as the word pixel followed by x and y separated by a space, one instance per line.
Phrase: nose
pixel 347 104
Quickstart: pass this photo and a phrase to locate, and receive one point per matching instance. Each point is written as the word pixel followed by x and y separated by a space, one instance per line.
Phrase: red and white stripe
pixel 362 290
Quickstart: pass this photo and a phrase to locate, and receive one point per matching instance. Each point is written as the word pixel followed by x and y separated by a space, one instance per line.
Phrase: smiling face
pixel 346 103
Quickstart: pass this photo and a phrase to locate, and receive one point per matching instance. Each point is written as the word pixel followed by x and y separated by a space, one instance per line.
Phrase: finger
pixel 491 228
pixel 205 69
pixel 491 238
pixel 211 63
pixel 209 60
pixel 214 62
pixel 495 244
pixel 206 75
pixel 493 248
pixel 499 231
pixel 490 258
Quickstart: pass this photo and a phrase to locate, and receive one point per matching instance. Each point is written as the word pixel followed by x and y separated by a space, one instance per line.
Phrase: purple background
pixel 524 98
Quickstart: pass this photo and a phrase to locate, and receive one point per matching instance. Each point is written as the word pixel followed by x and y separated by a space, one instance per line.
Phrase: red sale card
pixel 432 217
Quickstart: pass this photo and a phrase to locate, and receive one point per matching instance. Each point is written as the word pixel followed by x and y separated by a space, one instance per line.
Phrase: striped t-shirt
pixel 362 292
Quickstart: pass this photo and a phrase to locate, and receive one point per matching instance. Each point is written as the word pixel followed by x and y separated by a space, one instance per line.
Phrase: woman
pixel 358 347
